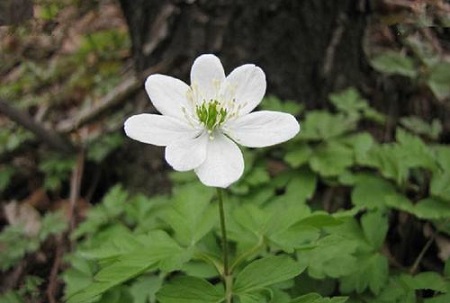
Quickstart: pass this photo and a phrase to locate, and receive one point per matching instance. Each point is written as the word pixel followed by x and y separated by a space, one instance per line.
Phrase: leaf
pixel 192 215
pixel 421 127
pixel 361 143
pixel 370 192
pixel 189 290
pixel 265 272
pixel 316 298
pixel 348 101
pixel 439 299
pixel 372 272
pixel 321 125
pixel 287 106
pixel 375 227
pixel 439 80
pixel 157 250
pixel 394 63
pixel 431 208
pixel 413 151
pixel 298 156
pixel 331 256
pixel 251 298
pixel 427 280
pixel 331 159
pixel 428 208
pixel 302 186
pixel 439 185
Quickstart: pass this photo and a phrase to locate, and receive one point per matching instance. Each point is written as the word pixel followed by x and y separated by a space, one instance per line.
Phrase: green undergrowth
pixel 334 215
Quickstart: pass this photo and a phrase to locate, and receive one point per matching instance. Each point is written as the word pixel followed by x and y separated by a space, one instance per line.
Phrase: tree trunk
pixel 307 48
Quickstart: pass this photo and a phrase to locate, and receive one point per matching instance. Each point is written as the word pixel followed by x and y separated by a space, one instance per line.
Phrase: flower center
pixel 211 114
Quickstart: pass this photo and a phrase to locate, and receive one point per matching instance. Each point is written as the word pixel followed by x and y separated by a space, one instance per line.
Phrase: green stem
pixel 227 277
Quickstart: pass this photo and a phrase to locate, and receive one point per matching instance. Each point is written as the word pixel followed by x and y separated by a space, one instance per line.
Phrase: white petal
pixel 224 163
pixel 207 75
pixel 157 130
pixel 247 85
pixel 187 154
pixel 168 95
pixel 262 128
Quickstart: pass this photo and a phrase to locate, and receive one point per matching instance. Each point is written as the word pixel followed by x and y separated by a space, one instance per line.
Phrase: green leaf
pixel 420 127
pixel 428 208
pixel 348 101
pixel 413 152
pixel 332 256
pixel 192 215
pixel 143 290
pixel 190 290
pixel 298 156
pixel 252 298
pixel 331 159
pixel 157 250
pixel 316 298
pixel 265 272
pixel 301 186
pixel 432 208
pixel 321 125
pixel 394 63
pixel 439 299
pixel 375 227
pixel 361 143
pixel 372 272
pixel 275 104
pixel 427 280
pixel 439 185
pixel 439 80
pixel 370 192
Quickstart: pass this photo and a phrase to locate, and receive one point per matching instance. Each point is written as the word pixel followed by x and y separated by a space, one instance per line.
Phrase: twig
pixel 113 98
pixel 422 253
pixel 75 185
pixel 53 139
pixel 331 49
pixel 53 278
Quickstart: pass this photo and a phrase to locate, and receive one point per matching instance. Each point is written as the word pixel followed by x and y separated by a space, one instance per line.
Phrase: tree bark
pixel 307 48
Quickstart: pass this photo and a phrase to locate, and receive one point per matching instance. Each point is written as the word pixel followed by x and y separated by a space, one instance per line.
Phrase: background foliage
pixel 356 208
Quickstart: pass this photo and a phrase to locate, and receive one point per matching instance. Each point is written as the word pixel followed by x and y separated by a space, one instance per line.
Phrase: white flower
pixel 201 124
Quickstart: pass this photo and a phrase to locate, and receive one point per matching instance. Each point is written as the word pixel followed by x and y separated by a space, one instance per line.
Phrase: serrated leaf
pixel 394 63
pixel 265 272
pixel 370 192
pixel 428 208
pixel 298 156
pixel 251 298
pixel 427 280
pixel 192 215
pixel 348 101
pixel 439 185
pixel 316 298
pixel 372 272
pixel 332 256
pixel 331 159
pixel 439 80
pixel 301 186
pixel 275 104
pixel 445 298
pixel 321 125
pixel 375 227
pixel 421 127
pixel 189 290
pixel 157 250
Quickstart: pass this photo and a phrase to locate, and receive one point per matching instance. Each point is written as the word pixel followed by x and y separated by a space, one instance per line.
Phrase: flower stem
pixel 227 277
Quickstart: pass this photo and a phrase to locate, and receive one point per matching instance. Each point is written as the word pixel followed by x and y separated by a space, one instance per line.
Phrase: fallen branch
pixel 124 90
pixel 50 137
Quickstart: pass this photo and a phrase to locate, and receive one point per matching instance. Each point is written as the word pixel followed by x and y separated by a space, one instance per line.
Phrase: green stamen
pixel 211 114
